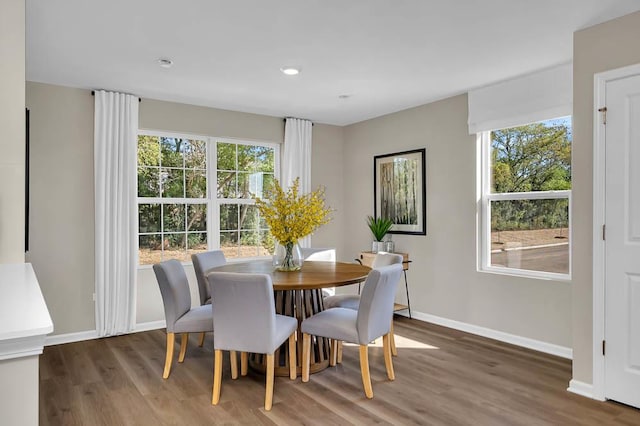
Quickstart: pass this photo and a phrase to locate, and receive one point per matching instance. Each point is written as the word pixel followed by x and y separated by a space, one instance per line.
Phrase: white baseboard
pixel 79 336
pixel 525 342
pixel 581 388
pixel 60 339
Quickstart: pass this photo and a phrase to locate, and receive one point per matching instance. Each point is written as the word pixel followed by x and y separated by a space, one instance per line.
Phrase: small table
pixel 299 294
pixel 367 257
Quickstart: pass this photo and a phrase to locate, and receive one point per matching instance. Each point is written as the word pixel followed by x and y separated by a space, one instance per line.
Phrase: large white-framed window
pixel 196 193
pixel 525 200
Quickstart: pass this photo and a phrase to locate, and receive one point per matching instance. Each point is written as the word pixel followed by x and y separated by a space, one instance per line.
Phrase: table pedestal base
pixel 300 304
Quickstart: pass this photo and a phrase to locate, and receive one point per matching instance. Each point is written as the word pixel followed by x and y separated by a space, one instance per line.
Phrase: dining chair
pixel 319 254
pixel 202 263
pixel 352 301
pixel 179 315
pixel 370 321
pixel 246 320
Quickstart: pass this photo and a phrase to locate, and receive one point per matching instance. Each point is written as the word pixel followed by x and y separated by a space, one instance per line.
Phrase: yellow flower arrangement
pixel 292 216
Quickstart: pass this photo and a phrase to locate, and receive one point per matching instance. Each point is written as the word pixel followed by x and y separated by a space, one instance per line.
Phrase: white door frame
pixel 599 169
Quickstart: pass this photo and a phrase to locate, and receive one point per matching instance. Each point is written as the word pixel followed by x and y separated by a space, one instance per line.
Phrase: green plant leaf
pixel 379 226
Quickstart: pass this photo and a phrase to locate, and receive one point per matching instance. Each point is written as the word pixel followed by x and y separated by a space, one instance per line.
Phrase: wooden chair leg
pixel 244 363
pixel 268 397
pixel 394 350
pixel 234 364
pixel 171 338
pixel 339 355
pixel 333 353
pixel 201 342
pixel 184 341
pixel 364 370
pixel 306 356
pixel 217 377
pixel 293 362
pixel 388 362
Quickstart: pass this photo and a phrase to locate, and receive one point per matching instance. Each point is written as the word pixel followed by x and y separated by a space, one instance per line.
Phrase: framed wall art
pixel 400 191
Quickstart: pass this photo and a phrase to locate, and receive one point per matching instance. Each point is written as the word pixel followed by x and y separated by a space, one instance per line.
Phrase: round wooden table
pixel 299 294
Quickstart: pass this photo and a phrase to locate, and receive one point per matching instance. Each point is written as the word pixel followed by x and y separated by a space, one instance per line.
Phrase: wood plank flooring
pixel 443 377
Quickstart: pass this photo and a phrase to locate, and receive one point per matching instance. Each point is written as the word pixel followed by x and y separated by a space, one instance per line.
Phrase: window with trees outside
pixel 526 199
pixel 197 193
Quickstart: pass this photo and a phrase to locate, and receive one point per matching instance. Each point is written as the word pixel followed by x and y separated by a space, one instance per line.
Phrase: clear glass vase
pixel 288 257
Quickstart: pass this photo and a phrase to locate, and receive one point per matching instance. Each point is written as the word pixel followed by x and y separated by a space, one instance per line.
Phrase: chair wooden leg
pixel 217 377
pixel 171 338
pixel 201 342
pixel 184 341
pixel 268 396
pixel 364 370
pixel 306 356
pixel 234 364
pixel 292 357
pixel 333 353
pixel 339 355
pixel 386 348
pixel 244 363
pixel 394 350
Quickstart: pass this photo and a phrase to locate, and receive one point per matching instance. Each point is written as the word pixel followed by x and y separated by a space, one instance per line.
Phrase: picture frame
pixel 400 191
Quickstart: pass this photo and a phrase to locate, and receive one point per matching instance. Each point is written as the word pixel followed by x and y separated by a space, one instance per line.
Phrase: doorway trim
pixel 600 81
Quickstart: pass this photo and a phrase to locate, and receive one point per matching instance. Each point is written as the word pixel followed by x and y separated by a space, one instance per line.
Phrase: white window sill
pixel 523 273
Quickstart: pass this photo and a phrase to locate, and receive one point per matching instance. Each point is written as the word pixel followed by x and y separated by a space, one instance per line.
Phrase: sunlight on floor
pixel 401 342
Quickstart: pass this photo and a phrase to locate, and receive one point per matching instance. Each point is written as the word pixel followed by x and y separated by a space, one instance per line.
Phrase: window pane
pixel 148 182
pixel 531 235
pixel 196 217
pixel 535 157
pixel 196 181
pixel 149 249
pixel 249 217
pixel 245 186
pixel 172 183
pixel 196 243
pixel 149 218
pixel 176 247
pixel 247 158
pixel 173 217
pixel 267 243
pixel 226 185
pixel 226 156
pixel 148 150
pixel 228 217
pixel 229 244
pixel 264 159
pixel 195 155
pixel 172 150
pixel 249 243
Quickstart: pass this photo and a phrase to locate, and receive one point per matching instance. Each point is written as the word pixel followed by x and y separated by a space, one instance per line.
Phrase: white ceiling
pixel 387 55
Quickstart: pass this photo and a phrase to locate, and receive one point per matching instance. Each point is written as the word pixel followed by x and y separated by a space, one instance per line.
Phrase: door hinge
pixel 604 344
pixel 603 110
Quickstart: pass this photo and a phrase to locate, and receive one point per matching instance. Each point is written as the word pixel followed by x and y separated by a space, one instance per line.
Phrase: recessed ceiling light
pixel 290 70
pixel 165 63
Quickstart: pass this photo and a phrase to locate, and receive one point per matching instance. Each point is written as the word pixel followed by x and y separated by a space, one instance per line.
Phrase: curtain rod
pixel 93 93
pixel 312 123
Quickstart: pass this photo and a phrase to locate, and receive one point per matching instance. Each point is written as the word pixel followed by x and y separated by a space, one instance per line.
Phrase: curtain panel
pixel 296 158
pixel 115 144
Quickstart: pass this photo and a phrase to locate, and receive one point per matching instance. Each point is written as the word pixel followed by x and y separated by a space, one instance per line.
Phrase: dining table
pixel 299 294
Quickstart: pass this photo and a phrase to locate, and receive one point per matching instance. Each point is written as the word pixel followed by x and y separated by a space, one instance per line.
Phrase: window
pixel 180 214
pixel 526 199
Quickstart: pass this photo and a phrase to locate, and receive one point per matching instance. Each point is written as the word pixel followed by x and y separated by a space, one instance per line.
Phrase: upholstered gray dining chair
pixel 245 319
pixel 352 301
pixel 370 321
pixel 202 263
pixel 179 315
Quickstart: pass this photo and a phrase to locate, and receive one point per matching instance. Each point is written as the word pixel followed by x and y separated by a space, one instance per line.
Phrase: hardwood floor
pixel 443 377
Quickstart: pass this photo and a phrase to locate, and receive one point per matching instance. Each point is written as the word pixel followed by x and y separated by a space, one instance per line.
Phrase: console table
pixel 366 258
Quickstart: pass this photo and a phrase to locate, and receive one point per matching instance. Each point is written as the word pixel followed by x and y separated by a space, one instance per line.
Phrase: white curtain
pixel 534 97
pixel 115 142
pixel 296 158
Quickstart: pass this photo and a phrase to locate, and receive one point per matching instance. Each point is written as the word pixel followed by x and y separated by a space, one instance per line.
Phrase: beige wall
pixel 61 214
pixel 19 391
pixel 443 279
pixel 12 123
pixel 607 46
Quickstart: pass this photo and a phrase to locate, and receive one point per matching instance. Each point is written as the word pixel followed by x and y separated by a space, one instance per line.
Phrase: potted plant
pixel 379 228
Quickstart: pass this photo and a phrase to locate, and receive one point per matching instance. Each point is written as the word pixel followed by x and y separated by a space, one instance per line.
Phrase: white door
pixel 622 268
